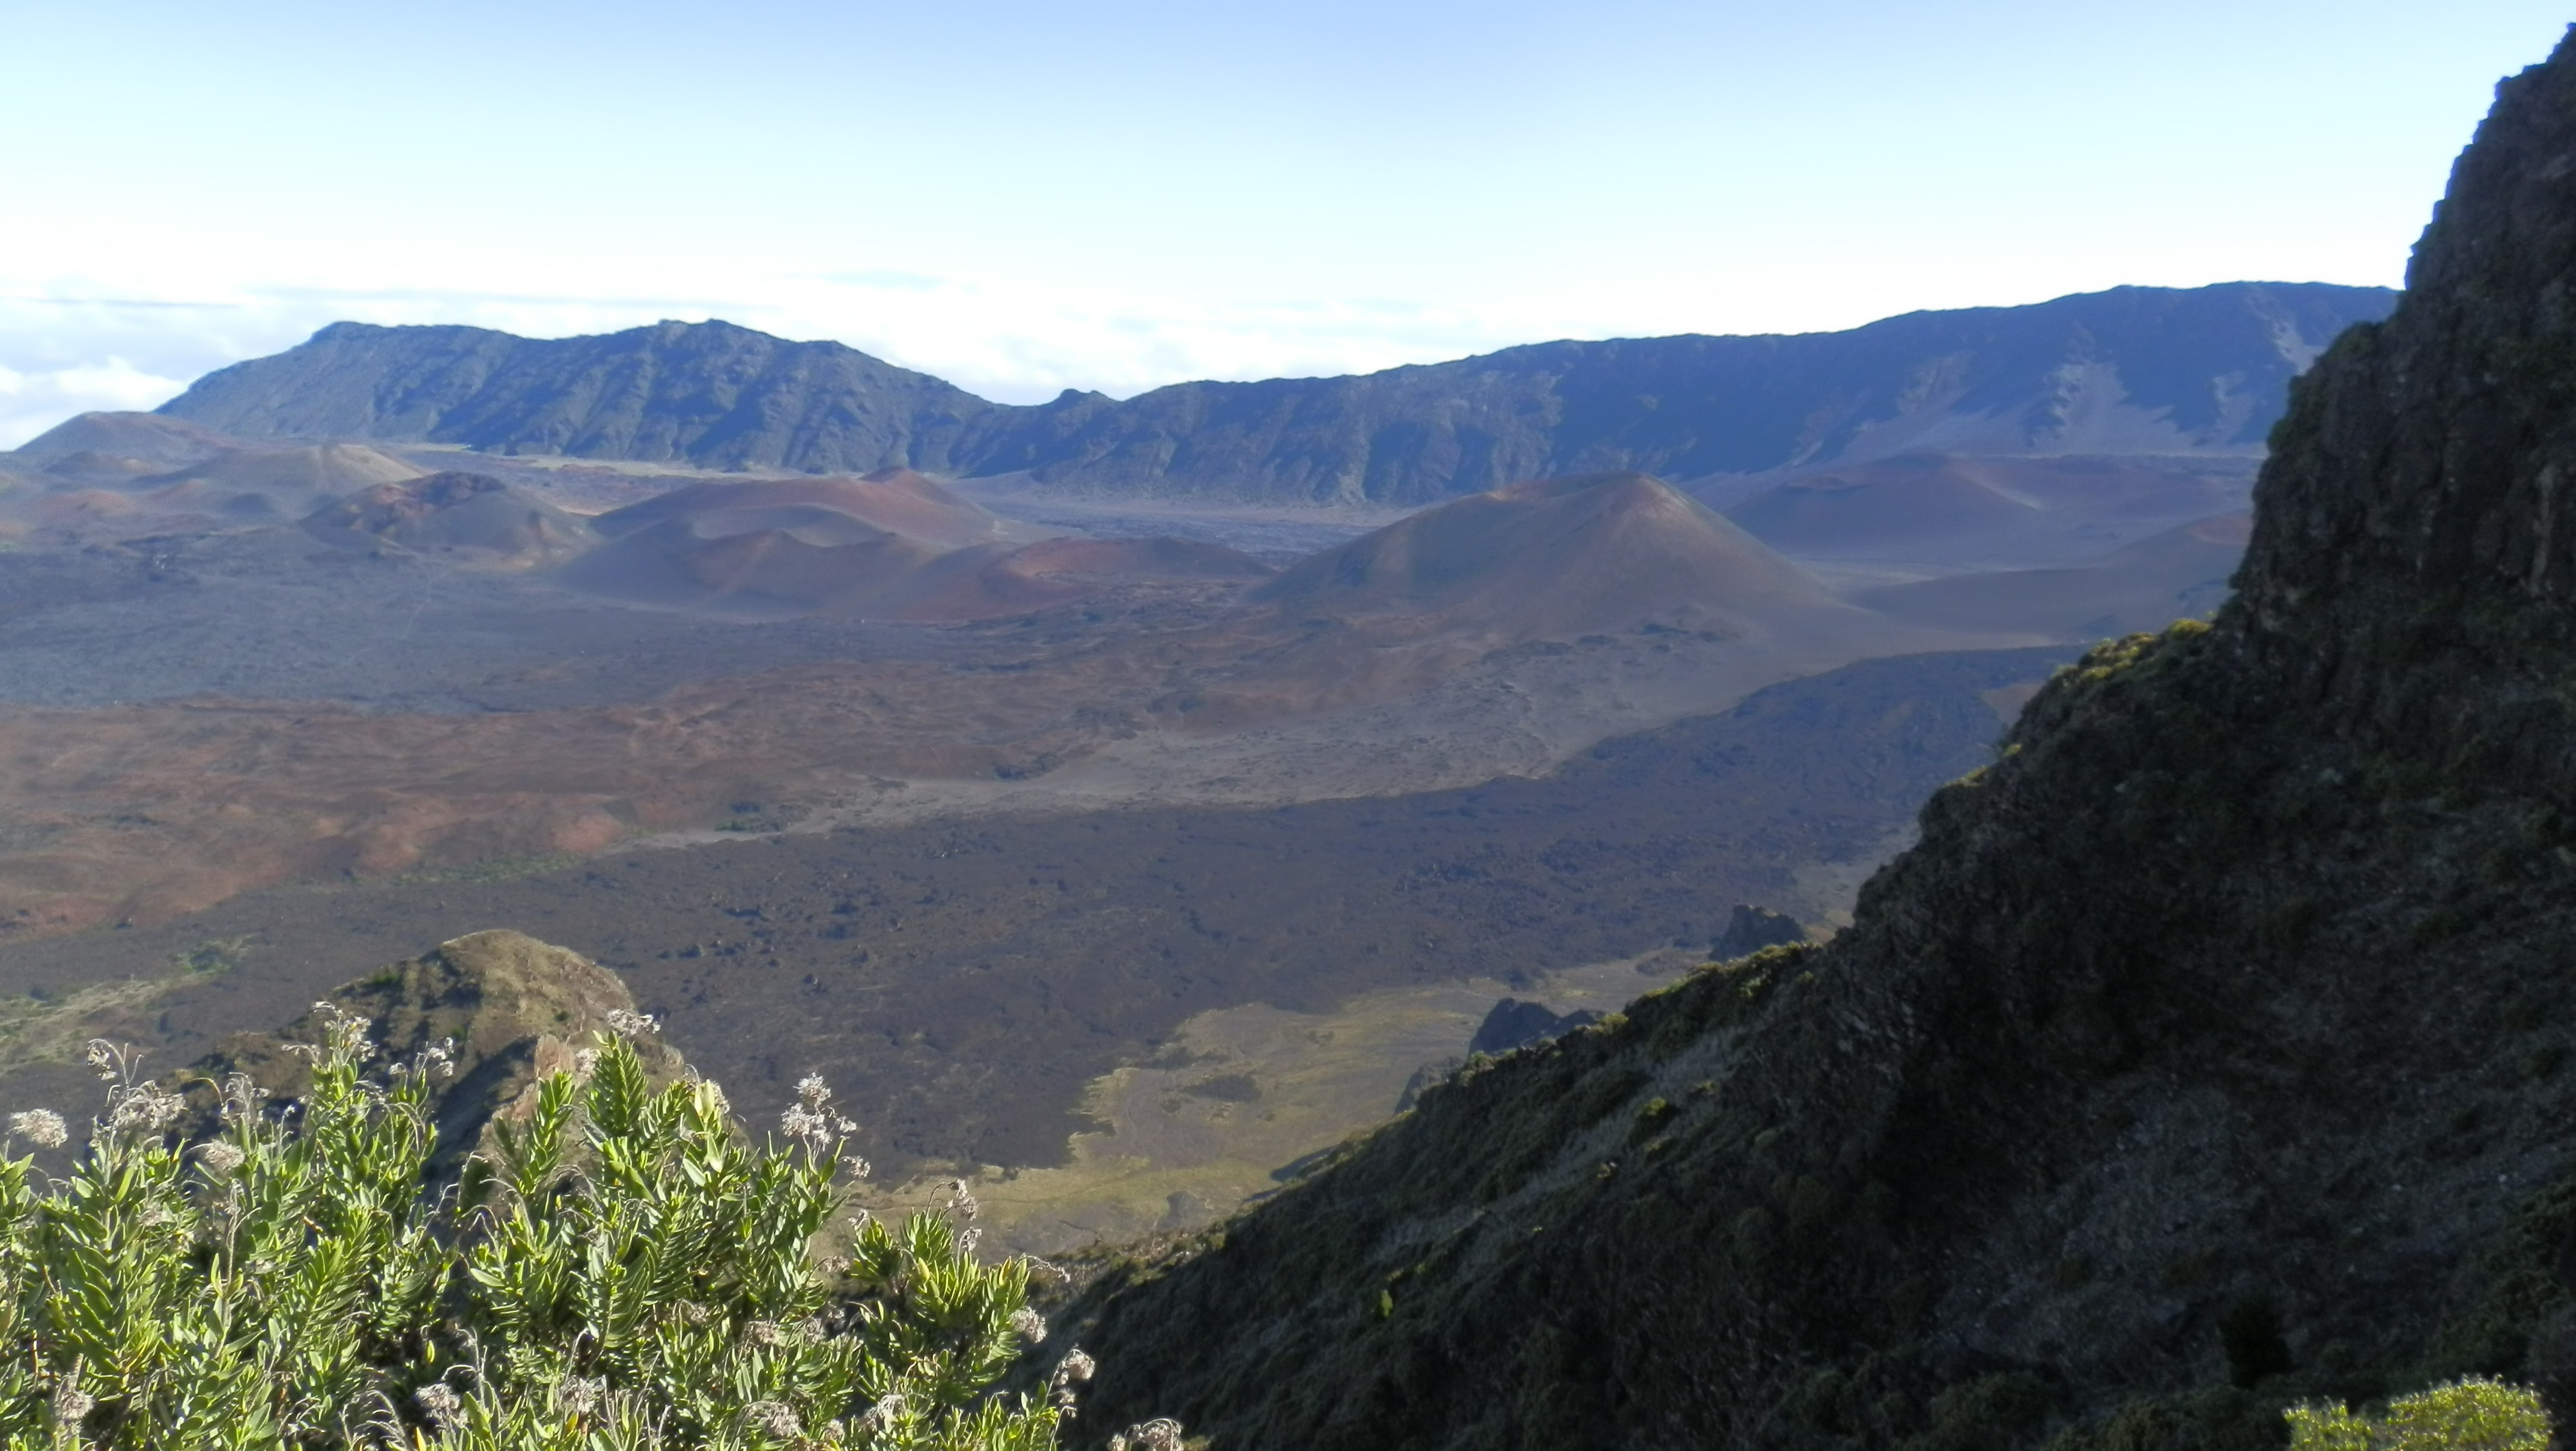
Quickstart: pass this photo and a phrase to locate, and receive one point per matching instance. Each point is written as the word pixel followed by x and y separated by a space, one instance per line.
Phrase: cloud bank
pixel 32 402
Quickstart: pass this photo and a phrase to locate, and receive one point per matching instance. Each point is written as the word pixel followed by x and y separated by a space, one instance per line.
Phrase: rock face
pixel 2211 1050
pixel 2132 371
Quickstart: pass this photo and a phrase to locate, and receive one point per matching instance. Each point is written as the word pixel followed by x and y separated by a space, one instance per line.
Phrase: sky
pixel 1025 197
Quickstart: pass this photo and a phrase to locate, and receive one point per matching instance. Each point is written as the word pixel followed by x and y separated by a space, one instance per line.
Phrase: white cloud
pixel 32 402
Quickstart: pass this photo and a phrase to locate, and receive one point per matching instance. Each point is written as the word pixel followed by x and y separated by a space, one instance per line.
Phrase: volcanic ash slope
pixel 474 515
pixel 1465 590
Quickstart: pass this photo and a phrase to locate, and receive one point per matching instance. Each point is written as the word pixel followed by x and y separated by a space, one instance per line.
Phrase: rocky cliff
pixel 2136 370
pixel 2211 1051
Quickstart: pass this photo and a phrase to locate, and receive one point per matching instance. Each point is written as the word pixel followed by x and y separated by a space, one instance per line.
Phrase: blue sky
pixel 1025 197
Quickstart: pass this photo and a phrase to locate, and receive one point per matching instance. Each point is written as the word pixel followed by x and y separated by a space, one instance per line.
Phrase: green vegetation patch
pixel 490 870
pixel 623 1272
pixel 51 1029
pixel 2472 1414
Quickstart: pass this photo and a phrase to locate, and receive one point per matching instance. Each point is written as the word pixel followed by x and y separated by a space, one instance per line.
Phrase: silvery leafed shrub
pixel 623 1270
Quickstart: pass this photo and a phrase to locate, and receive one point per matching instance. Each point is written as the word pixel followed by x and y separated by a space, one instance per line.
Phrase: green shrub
pixel 623 1270
pixel 2474 1414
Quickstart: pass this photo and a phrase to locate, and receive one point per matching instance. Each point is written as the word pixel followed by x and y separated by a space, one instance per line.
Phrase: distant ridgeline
pixel 2213 1052
pixel 2132 371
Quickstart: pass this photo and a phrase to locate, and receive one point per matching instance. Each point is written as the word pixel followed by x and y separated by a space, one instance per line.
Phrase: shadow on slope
pixel 892 545
pixel 2181 573
pixel 1987 513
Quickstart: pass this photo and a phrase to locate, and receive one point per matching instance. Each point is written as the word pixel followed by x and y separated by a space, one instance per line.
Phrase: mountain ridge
pixel 2132 370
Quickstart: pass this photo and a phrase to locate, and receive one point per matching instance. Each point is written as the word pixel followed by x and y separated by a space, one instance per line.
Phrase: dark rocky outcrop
pixel 2212 1049
pixel 1516 1024
pixel 1750 929
pixel 2136 370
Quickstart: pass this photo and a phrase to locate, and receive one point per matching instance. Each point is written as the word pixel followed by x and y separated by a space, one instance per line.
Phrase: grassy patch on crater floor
pixel 1230 1105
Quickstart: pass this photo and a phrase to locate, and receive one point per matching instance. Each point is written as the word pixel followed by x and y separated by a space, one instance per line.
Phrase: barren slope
pixel 472 514
pixel 2144 586
pixel 1554 559
pixel 891 546
pixel 1987 512
pixel 963 980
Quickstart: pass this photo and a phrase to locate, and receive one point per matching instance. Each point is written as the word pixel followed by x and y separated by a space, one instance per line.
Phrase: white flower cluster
pixel 72 1406
pixel 809 1121
pixel 1159 1434
pixel 961 1202
pixel 882 1416
pixel 436 1062
pixel 220 1158
pixel 40 1126
pixel 1030 1324
pixel 776 1418
pixel 439 1401
pixel 627 1024
pixel 242 1097
pixel 345 1030
pixel 145 1108
pixel 1075 1369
